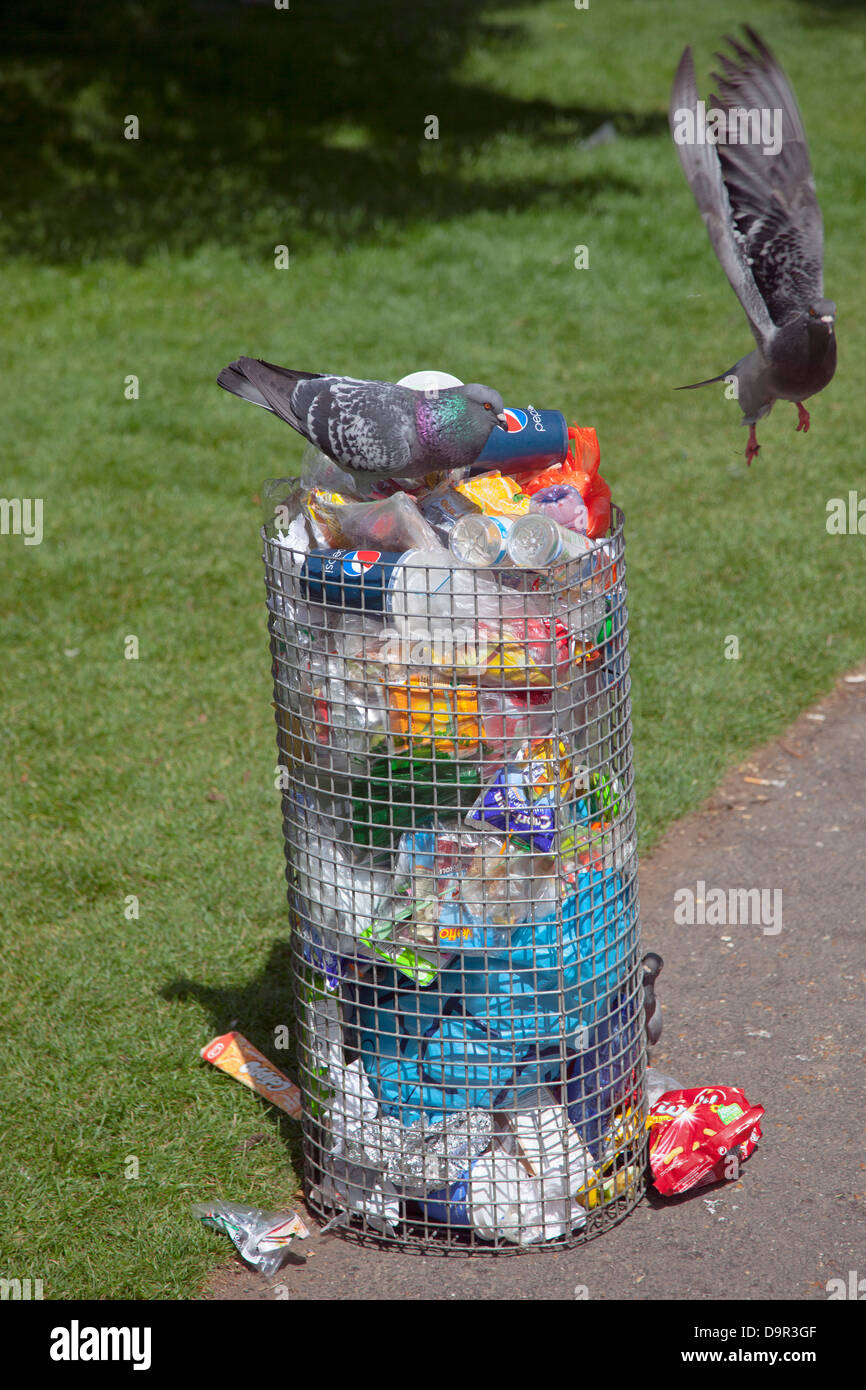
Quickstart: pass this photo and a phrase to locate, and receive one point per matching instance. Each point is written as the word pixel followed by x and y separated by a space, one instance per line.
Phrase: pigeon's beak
pixel 502 420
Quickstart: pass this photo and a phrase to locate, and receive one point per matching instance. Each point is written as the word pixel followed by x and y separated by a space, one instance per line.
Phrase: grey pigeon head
pixel 821 318
pixel 484 398
pixel 750 175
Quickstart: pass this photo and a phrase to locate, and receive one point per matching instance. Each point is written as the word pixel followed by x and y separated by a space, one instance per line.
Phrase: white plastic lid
pixel 429 381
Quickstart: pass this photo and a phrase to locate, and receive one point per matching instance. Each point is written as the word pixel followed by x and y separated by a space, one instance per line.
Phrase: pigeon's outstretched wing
pixel 703 171
pixel 772 196
pixel 368 425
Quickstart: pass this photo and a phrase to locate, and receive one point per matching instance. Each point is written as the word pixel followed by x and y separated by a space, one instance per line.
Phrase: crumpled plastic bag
pixel 263 1238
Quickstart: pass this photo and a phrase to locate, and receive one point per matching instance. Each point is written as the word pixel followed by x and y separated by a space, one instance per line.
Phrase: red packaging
pixel 580 469
pixel 691 1134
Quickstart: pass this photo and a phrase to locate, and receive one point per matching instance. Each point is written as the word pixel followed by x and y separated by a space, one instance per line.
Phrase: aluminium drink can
pixel 534 439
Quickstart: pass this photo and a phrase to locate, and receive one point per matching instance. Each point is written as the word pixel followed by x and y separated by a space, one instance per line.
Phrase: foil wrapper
pixel 435 1155
pixel 413 1160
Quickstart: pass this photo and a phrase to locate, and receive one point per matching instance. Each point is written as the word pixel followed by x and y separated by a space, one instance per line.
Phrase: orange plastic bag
pixel 579 469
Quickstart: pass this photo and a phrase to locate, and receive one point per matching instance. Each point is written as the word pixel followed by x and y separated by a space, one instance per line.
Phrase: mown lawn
pixel 154 777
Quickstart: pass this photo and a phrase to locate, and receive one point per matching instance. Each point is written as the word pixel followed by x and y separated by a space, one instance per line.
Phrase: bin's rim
pixel 614 532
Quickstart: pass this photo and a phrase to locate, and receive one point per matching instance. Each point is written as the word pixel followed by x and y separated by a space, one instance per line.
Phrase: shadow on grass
pixel 292 126
pixel 255 1009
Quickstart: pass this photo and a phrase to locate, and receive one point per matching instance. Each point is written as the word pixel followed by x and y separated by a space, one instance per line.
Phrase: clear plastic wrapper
pixel 657 1082
pixel 458 891
pixel 389 524
pixel 263 1238
pixel 319 471
pixel 335 892
pixel 350 712
pixel 413 1159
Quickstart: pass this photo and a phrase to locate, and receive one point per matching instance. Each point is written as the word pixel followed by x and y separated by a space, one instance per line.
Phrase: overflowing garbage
pixel 452 701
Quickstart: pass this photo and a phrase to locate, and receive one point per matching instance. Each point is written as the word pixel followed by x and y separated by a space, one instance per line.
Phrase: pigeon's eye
pixel 487 405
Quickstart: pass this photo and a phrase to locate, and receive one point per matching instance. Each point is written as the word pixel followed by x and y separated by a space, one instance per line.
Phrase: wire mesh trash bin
pixel 458 808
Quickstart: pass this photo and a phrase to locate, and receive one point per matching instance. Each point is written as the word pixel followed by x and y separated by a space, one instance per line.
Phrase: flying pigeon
pixel 652 965
pixel 757 198
pixel 373 427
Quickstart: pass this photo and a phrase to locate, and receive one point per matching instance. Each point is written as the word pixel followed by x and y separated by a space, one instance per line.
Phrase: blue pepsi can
pixel 350 578
pixel 534 439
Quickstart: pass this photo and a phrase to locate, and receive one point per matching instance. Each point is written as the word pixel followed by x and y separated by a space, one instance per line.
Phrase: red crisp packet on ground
pixel 691 1134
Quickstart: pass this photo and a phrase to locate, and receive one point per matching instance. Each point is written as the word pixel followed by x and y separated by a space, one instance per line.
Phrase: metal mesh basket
pixel 458 808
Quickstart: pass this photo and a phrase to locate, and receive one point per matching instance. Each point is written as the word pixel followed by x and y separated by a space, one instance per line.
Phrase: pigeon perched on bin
pixel 757 198
pixel 373 427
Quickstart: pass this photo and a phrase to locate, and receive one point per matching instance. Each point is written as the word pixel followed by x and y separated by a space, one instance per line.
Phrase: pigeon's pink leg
pixel 804 417
pixel 753 448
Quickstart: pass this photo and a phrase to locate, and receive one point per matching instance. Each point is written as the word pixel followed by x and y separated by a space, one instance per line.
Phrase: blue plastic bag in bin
pixel 461 1042
pixel 601 1075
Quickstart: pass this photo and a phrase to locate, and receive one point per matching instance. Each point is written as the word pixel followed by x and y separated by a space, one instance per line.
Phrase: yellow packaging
pixel 297 735
pixel 514 666
pixel 605 1190
pixel 447 716
pixel 495 494
pixel 542 755
pixel 324 507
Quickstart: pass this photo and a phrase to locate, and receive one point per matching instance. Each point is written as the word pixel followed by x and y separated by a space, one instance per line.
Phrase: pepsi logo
pixel 359 561
pixel 516 419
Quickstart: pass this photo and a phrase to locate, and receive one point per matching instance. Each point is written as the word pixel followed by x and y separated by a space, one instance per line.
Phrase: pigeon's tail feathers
pixel 287 373
pixel 233 380
pixel 693 386
pixel 265 384
pixel 703 171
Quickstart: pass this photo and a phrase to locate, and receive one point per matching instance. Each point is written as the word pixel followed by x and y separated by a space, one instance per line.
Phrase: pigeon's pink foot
pixel 753 448
pixel 804 417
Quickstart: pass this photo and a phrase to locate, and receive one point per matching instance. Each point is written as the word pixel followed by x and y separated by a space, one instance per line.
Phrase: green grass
pixel 155 777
